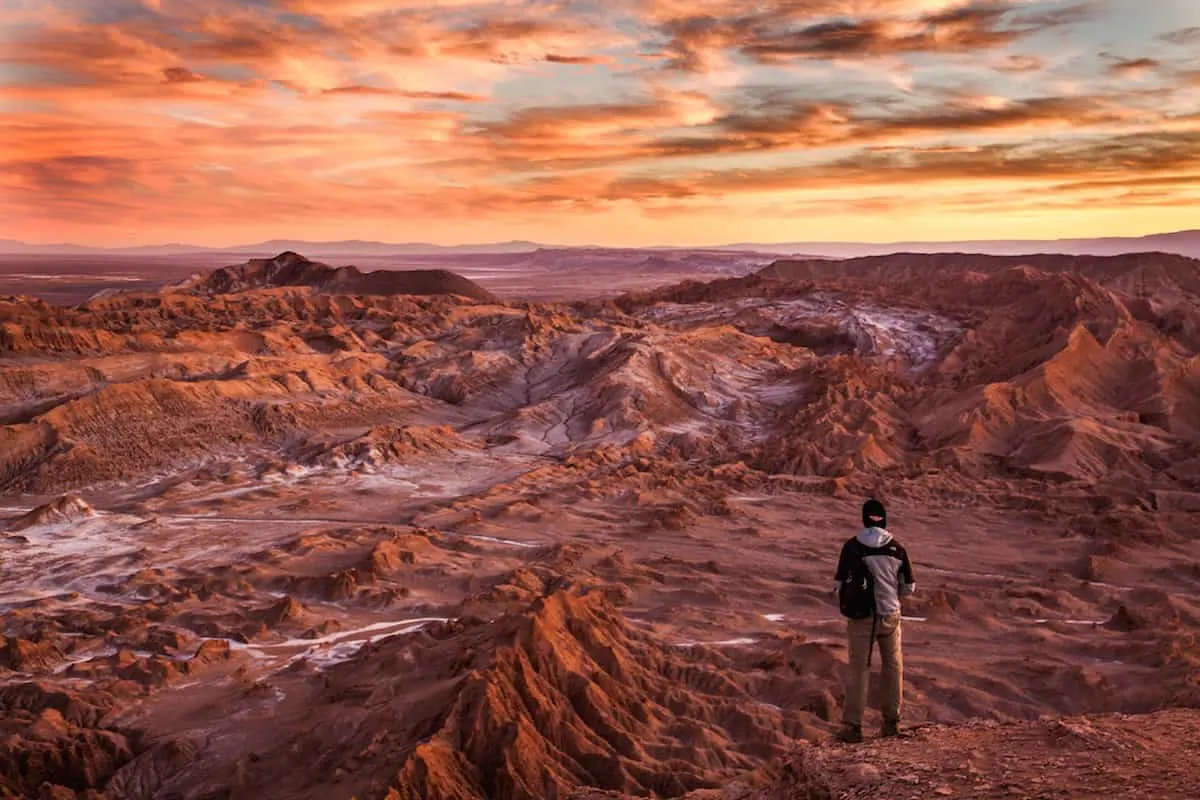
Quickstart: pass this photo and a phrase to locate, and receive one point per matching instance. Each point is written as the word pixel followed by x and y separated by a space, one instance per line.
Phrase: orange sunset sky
pixel 218 123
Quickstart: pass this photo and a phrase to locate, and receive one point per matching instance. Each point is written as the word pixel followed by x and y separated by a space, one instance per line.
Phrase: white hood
pixel 874 537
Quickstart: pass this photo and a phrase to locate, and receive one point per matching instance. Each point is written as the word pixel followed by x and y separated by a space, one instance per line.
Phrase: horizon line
pixel 549 245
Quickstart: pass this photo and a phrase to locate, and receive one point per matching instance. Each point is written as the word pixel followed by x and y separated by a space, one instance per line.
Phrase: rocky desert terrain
pixel 286 530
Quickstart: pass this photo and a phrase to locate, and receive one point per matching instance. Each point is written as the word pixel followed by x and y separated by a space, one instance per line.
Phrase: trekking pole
pixel 871 642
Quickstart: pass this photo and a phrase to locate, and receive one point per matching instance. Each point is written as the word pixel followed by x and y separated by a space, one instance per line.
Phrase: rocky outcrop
pixel 293 269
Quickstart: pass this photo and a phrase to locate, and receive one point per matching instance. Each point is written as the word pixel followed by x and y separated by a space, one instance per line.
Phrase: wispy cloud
pixel 782 30
pixel 1021 63
pixel 1134 67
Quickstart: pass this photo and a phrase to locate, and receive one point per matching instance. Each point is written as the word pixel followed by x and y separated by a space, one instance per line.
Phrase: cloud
pixel 1021 63
pixel 555 58
pixel 413 48
pixel 510 39
pixel 911 180
pixel 181 75
pixel 586 135
pixel 681 126
pixel 572 121
pixel 381 91
pixel 779 31
pixel 1092 156
pixel 1150 180
pixel 1086 163
pixel 1133 67
pixel 804 126
pixel 1184 37
pixel 953 31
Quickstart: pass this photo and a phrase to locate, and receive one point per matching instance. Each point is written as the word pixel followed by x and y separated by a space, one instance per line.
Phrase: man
pixel 873 563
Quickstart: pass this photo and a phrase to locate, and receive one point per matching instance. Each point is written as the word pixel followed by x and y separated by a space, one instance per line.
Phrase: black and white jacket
pixel 889 566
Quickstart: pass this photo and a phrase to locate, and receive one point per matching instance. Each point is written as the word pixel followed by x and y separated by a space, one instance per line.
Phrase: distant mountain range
pixel 1185 243
pixel 1182 242
pixel 350 247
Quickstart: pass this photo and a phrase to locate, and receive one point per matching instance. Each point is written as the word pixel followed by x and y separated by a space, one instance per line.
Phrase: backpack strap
pixel 861 551
pixel 858 549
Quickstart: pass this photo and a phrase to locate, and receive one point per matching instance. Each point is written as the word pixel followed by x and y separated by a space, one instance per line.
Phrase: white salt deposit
pixel 508 542
pixel 912 334
pixel 721 643
pixel 334 648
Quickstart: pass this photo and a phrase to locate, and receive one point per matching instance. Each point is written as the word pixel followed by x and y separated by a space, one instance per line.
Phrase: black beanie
pixel 874 508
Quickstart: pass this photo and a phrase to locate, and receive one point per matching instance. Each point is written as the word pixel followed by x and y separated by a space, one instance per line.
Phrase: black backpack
pixel 856 595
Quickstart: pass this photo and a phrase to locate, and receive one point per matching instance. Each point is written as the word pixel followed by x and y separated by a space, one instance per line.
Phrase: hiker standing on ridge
pixel 873 573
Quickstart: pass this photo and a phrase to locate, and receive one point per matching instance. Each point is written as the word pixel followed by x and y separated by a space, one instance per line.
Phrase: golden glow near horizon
pixel 620 122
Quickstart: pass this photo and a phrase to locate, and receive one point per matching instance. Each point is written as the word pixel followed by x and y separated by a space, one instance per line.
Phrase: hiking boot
pixel 889 729
pixel 850 734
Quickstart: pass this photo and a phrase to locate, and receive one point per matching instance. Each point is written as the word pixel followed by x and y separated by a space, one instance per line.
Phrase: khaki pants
pixel 887 636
